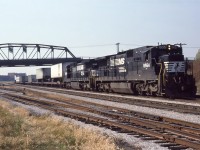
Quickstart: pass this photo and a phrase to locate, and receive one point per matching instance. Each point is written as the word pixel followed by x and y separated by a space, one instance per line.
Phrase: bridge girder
pixel 21 54
pixel 36 62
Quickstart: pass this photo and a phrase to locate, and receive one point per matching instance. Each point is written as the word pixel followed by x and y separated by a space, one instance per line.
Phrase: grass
pixel 20 130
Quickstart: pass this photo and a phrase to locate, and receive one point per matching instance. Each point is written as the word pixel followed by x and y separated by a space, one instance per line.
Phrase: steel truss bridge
pixel 20 54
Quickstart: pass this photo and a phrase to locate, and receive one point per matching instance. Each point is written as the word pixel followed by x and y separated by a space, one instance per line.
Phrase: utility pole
pixel 180 44
pixel 117 47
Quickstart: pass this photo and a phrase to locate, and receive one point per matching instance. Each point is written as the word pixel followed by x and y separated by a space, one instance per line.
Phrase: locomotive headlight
pixel 169 47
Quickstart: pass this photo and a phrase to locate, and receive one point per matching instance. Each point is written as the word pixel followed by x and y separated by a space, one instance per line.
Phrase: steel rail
pixel 135 113
pixel 120 110
pixel 167 137
pixel 130 100
pixel 163 126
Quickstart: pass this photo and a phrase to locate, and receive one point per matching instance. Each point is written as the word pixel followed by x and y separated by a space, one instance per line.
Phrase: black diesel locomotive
pixel 151 70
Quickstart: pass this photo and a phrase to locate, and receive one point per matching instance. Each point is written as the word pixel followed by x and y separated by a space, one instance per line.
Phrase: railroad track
pixel 174 134
pixel 139 101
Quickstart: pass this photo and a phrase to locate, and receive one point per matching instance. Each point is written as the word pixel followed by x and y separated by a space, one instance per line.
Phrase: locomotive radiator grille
pixel 175 66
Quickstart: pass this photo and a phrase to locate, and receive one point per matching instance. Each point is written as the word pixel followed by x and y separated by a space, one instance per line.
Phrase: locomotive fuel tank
pixel 122 87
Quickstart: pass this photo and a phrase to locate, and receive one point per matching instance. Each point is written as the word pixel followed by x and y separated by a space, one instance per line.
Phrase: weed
pixel 19 130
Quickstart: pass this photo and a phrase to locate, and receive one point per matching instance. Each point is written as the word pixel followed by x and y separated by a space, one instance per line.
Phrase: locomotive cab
pixel 173 78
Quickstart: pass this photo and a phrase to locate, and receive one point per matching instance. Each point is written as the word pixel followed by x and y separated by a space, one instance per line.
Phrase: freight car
pixel 21 79
pixel 31 78
pixel 149 70
pixel 43 74
pixel 58 72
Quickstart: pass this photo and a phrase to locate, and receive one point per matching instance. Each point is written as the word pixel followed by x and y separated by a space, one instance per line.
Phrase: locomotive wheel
pixel 139 88
pixel 169 93
pixel 142 93
pixel 134 89
pixel 149 91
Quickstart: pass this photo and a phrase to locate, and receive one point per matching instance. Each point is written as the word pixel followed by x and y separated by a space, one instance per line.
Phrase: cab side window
pixel 146 56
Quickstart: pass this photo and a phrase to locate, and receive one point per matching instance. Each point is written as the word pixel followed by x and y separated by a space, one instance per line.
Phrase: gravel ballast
pixel 128 141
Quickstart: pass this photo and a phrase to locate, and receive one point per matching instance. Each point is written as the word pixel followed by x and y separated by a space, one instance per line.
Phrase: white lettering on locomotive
pixel 80 67
pixel 146 65
pixel 117 61
pixel 122 69
pixel 175 66
pixel 82 73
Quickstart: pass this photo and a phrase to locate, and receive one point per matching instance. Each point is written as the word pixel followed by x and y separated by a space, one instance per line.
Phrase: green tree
pixel 198 55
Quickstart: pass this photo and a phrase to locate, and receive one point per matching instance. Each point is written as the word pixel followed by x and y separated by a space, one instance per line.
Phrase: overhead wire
pixel 85 46
pixel 192 47
pixel 122 44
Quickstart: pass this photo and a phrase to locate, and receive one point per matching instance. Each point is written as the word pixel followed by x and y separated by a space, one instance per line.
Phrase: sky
pixel 91 28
